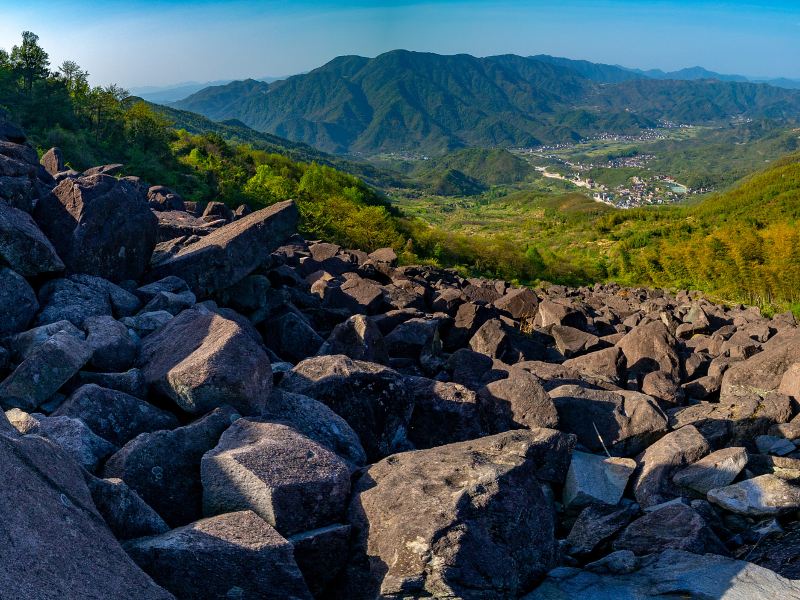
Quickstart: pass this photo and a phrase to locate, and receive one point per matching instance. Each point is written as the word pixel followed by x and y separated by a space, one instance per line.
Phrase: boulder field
pixel 201 404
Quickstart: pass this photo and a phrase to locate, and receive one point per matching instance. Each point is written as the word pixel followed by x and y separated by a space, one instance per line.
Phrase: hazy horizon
pixel 168 42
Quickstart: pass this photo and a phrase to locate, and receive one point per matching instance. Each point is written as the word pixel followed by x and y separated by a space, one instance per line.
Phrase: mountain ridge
pixel 403 100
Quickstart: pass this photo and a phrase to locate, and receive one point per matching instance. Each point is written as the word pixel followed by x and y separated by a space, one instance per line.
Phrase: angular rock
pixel 716 470
pixel 517 401
pixel 318 422
pixel 359 338
pixel 357 295
pixel 625 421
pixel 147 322
pixel 70 300
pixel 286 478
pixel 126 514
pixel 22 344
pixel 669 574
pixel 763 372
pixel 443 413
pixel 384 255
pixel 52 528
pixel 651 347
pixel 237 555
pixel 573 342
pixel 99 225
pixel 469 318
pixel 520 303
pixel 653 484
pixel 414 337
pixel 675 526
pixel 53 161
pixel 113 349
pixel 462 520
pixel 163 467
pixel 607 364
pixel 44 371
pixel 592 479
pixel 202 360
pixel 736 420
pixel 130 382
pixel 370 397
pixel 321 554
pixel 24 246
pixel 114 416
pixel 72 435
pixel 232 252
pixel 595 526
pixel 555 313
pixel 292 338
pixel 18 303
pixel 765 495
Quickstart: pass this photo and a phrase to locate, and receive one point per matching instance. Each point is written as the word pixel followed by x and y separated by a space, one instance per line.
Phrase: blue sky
pixel 140 42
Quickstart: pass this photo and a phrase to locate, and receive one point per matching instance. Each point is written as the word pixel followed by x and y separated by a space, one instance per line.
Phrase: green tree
pixel 29 60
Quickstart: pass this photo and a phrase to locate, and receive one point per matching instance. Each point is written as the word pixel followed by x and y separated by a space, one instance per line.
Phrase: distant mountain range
pixel 614 73
pixel 177 91
pixel 425 102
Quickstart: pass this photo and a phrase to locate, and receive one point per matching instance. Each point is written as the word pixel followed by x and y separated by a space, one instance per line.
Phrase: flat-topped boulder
pixel 286 478
pixel 232 252
pixel 236 555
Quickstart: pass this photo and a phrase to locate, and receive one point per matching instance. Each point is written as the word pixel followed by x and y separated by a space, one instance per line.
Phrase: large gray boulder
pixel 72 435
pixel 286 478
pixel 23 245
pixel 516 401
pixel 226 256
pixel 443 413
pixel 127 515
pixel 765 495
pixel 99 225
pixel 201 360
pixel 623 421
pixel 763 372
pixel 18 303
pixel 79 297
pixel 462 520
pixel 653 483
pixel 113 348
pixel 716 470
pixel 674 526
pixel 359 338
pixel 237 555
pixel 596 479
pixel 668 575
pixel 113 415
pixel 56 545
pixel 163 467
pixel 651 347
pixel 372 398
pixel 315 420
pixel 44 371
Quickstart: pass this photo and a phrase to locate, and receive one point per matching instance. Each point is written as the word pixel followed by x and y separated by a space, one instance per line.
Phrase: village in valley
pixel 590 164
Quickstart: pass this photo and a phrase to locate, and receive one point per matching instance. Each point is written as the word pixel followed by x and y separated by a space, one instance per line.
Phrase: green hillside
pixel 432 103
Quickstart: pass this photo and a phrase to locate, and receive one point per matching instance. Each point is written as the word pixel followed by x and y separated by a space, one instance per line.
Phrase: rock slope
pixel 206 405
